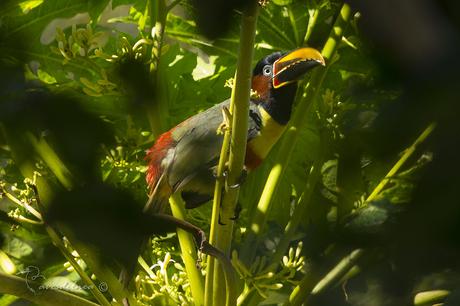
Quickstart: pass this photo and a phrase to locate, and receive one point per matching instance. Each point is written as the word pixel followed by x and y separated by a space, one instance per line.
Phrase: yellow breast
pixel 269 134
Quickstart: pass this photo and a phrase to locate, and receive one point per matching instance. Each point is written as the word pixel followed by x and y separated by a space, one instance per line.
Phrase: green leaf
pixel 17 248
pixel 27 6
pixel 45 77
pixel 329 179
pixel 7 299
pixel 282 2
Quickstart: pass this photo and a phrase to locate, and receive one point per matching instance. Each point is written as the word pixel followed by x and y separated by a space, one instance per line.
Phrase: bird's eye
pixel 267 70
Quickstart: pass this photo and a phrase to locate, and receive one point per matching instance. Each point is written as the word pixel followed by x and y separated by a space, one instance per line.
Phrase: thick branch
pixel 235 147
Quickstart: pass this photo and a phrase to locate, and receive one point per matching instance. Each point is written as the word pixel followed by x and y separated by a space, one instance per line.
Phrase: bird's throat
pixel 268 135
pixel 279 103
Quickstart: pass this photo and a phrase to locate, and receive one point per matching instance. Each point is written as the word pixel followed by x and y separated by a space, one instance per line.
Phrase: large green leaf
pixel 29 35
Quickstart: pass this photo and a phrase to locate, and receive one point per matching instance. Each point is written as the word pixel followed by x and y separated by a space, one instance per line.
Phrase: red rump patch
pixel 155 155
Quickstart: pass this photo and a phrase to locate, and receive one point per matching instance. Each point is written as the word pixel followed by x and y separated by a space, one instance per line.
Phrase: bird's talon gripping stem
pixel 198 263
pixel 240 180
pixel 223 176
pixel 220 221
pixel 238 209
pixel 234 186
pixel 226 123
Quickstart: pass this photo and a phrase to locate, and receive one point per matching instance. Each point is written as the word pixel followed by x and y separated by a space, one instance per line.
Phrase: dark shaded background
pixel 414 43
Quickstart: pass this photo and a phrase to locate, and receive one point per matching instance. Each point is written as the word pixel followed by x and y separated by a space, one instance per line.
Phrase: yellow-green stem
pixel 189 252
pixel 24 205
pixel 407 153
pixel 211 261
pixel 235 145
pixel 311 25
pixel 305 288
pixel 157 112
pixel 430 297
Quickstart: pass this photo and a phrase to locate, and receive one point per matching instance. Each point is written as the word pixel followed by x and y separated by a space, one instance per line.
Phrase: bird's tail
pixel 158 198
pixel 157 203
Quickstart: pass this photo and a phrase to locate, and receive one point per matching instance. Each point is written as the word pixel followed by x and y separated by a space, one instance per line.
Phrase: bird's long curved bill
pixel 293 65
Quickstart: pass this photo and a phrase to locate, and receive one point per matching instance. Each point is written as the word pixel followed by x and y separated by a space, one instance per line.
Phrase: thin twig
pixel 172 5
pixel 18 202
pixel 407 153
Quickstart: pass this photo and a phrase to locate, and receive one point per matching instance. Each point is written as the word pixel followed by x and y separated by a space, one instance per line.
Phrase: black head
pixel 275 79
pixel 268 60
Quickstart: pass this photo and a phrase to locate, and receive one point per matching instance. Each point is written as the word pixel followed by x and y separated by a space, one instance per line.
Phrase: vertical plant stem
pixel 157 113
pixel 293 25
pixel 239 131
pixel 290 138
pixel 157 117
pixel 189 252
pixel 211 261
pixel 311 25
pixel 221 235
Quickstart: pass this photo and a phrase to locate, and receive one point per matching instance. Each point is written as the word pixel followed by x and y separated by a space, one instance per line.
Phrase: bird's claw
pixel 226 123
pixel 220 221
pixel 238 209
pixel 234 186
pixel 198 263
pixel 223 176
pixel 235 217
pixel 240 180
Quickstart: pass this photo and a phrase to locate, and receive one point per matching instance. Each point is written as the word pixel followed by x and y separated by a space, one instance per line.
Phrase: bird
pixel 184 159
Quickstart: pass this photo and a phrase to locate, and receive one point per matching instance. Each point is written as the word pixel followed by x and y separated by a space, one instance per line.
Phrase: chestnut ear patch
pixel 261 84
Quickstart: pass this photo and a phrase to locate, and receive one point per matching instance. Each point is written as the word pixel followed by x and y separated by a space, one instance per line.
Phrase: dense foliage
pixel 359 204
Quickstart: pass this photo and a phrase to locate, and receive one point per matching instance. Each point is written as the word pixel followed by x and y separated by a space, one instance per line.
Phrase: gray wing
pixel 198 146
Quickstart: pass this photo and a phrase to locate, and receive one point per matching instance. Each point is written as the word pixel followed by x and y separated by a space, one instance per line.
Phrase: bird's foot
pixel 198 262
pixel 220 221
pixel 240 180
pixel 226 123
pixel 235 217
pixel 221 177
pixel 238 209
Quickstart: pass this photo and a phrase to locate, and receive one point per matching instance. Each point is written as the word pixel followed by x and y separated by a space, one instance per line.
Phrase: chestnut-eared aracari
pixel 184 158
